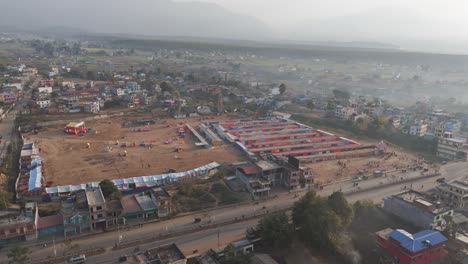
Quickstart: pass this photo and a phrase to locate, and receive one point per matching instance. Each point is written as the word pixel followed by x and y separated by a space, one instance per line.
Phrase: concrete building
pixel 344 113
pixel 271 172
pixel 405 248
pixel 114 214
pixel 166 254
pixel 46 89
pixel 71 102
pixel 455 194
pixel 43 103
pixel 256 185
pixel 452 149
pixel 418 129
pixel 163 201
pixel 16 226
pixel 91 107
pixel 413 208
pixel 97 208
pixel 76 215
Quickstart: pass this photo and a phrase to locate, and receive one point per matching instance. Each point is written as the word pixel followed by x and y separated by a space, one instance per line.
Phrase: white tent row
pixel 154 179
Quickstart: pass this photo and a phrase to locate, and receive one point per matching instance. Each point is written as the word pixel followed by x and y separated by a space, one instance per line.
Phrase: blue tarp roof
pixel 141 179
pixel 415 242
pixel 35 175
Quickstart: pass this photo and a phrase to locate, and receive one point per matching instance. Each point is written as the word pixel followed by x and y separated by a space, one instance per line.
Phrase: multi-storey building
pixel 455 194
pixel 452 149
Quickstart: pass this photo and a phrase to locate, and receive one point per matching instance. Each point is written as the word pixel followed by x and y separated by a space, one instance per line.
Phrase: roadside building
pixel 76 215
pixel 296 176
pixel 405 248
pixel 49 225
pixel 17 226
pixel 114 216
pixel 452 149
pixel 271 172
pixel 166 254
pixel 163 201
pixel 138 207
pixel 455 194
pixel 413 208
pixel 256 185
pixel 97 208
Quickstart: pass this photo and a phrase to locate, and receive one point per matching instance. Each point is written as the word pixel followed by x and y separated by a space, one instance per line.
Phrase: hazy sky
pixel 277 12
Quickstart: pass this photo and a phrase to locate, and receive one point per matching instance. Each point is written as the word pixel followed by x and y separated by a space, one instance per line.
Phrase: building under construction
pixel 281 138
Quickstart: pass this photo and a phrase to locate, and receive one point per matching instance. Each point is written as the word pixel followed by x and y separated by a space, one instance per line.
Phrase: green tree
pixel 108 188
pixel 311 105
pixel 18 255
pixel 231 256
pixel 341 94
pixel 282 88
pixel 320 226
pixel 5 199
pixel 341 207
pixel 275 230
pixel 91 75
pixel 166 87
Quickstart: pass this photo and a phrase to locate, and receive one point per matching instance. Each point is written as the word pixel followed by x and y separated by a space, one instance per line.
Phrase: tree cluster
pixel 275 230
pixel 322 221
pixel 109 190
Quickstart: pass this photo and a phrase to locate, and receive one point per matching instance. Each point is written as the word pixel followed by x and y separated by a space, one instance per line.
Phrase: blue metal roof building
pixel 418 241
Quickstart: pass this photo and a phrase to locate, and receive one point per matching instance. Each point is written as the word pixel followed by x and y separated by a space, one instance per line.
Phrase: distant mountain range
pixel 401 27
pixel 139 17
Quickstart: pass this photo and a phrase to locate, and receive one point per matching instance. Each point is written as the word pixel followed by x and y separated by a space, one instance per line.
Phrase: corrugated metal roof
pixel 418 241
pixel 170 177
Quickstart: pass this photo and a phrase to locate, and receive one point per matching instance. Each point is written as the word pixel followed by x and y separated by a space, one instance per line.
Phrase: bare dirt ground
pixel 328 171
pixel 68 160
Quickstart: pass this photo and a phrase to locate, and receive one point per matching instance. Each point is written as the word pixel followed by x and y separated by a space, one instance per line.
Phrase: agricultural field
pixel 99 154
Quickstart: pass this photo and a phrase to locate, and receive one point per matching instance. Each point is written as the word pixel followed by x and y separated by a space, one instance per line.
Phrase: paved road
pixel 204 239
pixel 8 123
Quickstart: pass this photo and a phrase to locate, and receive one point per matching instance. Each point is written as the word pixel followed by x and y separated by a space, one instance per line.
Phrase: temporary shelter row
pixel 134 182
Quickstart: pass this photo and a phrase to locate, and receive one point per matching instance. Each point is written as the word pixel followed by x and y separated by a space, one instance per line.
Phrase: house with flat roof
pixel 405 248
pixel 250 175
pixel 415 209
pixel 166 254
pixel 97 207
pixel 452 149
pixel 114 214
pixel 138 206
pixel 76 214
pixel 18 226
pixel 454 193
pixel 271 172
pixel 162 200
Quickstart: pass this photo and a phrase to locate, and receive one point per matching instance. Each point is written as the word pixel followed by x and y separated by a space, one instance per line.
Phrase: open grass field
pixel 68 160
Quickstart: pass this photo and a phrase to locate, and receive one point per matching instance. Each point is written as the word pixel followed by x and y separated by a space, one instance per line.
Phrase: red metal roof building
pixel 420 248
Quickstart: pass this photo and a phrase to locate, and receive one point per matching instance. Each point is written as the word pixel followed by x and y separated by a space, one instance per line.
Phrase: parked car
pixel 441 180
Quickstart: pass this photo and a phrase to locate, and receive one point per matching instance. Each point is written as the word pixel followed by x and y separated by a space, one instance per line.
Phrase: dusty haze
pixel 429 25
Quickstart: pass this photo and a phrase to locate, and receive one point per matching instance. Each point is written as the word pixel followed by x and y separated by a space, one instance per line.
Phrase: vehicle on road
pixel 77 259
pixel 441 180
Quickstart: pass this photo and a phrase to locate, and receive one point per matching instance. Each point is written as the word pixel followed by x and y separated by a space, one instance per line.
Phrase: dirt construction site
pixel 393 161
pixel 115 148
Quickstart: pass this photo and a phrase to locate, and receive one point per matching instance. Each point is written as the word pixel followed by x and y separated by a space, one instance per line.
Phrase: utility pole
pixel 218 239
